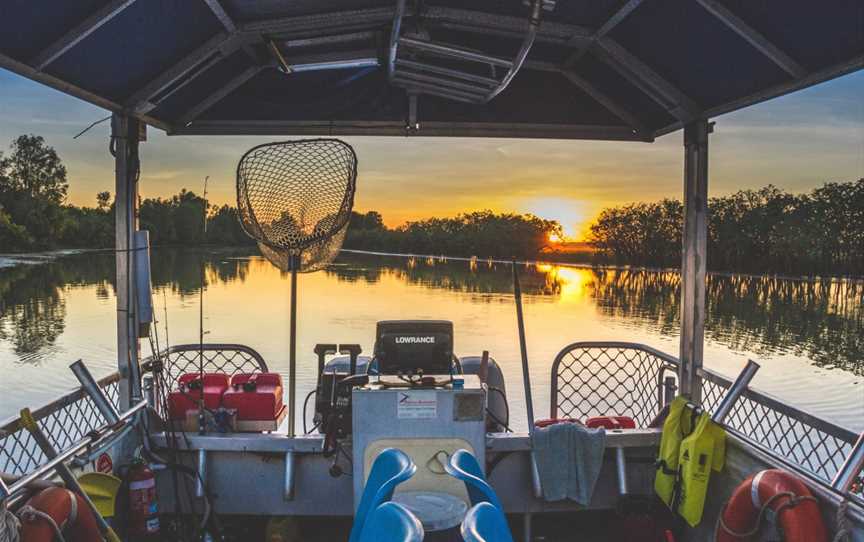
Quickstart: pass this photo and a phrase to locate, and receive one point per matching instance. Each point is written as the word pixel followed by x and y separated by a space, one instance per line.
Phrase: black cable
pixel 506 424
pixel 497 420
pixel 494 462
pixel 305 404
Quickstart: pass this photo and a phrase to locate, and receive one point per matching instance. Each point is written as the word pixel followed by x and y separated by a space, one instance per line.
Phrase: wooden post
pixel 124 139
pixel 694 256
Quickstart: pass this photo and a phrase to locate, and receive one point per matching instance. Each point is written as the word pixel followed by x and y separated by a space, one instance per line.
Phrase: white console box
pixel 421 422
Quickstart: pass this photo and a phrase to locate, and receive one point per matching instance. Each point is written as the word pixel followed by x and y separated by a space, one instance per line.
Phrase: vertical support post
pixel 694 256
pixel 292 352
pixel 124 145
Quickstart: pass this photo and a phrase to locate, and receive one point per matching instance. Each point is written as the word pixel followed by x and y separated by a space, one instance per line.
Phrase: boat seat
pixel 390 468
pixel 392 522
pixel 485 523
pixel 464 466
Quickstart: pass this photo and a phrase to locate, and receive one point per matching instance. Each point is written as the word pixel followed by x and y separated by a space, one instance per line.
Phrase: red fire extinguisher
pixel 143 510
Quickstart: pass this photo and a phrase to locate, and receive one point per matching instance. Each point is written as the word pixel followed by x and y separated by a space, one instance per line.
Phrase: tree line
pixel 484 234
pixel 34 214
pixel 758 231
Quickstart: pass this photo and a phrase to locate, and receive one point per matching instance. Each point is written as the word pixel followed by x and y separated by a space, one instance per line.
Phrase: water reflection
pixel 820 320
pixel 32 308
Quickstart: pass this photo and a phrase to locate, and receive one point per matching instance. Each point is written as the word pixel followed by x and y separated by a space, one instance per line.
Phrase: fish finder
pixel 414 347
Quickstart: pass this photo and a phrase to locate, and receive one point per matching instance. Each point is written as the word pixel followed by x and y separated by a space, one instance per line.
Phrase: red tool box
pixel 255 396
pixel 187 397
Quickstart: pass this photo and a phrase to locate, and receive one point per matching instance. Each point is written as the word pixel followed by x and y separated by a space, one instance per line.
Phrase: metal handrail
pixel 103 433
pixel 12 423
pixel 764 399
pixel 829 440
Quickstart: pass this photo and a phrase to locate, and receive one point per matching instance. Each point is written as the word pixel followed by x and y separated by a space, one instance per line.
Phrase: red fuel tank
pixel 255 396
pixel 187 397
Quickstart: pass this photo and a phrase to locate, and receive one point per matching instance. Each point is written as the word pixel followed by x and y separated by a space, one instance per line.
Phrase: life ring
pixel 69 513
pixel 797 510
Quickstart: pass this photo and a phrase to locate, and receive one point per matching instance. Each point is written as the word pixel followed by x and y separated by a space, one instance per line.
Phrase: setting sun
pixel 567 212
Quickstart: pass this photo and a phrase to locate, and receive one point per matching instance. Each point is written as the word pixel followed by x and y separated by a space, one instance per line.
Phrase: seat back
pixel 464 466
pixel 390 468
pixel 392 522
pixel 485 523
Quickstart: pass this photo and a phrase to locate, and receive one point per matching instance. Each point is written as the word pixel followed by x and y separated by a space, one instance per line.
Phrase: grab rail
pixel 578 388
pixel 67 420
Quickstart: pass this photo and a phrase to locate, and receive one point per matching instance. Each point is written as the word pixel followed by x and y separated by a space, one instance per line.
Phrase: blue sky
pixel 796 142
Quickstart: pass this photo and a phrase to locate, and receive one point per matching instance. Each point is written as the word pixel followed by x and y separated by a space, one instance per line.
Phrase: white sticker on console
pixel 416 404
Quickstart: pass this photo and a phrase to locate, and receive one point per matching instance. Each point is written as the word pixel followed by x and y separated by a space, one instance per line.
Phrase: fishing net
pixel 295 199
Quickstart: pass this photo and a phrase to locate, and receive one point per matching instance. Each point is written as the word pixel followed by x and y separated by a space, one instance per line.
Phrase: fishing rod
pixel 201 419
pixel 526 377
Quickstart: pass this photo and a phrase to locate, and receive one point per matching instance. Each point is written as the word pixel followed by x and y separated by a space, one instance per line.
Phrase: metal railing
pixel 68 419
pixel 610 378
pixel 218 358
pixel 629 379
pixel 64 421
pixel 815 445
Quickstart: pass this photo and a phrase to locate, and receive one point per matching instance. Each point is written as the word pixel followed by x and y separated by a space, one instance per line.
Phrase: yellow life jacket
pixel 678 424
pixel 702 451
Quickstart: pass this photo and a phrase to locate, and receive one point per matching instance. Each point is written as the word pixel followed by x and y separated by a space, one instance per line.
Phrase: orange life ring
pixel 68 510
pixel 797 511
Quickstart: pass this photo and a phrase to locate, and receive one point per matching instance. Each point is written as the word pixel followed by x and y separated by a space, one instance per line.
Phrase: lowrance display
pixel 414 346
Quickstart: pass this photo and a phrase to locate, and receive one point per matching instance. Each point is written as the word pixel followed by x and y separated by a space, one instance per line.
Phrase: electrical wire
pixel 305 405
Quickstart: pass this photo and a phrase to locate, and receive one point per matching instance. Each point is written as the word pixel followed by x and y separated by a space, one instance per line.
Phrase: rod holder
pixel 851 468
pixel 735 391
pixel 103 404
pixel 288 490
pixel 202 474
pixel 621 470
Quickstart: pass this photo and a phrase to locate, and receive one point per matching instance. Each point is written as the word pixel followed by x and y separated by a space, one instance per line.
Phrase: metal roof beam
pixel 58 84
pixel 607 27
pixel 813 78
pixel 397 128
pixel 607 102
pixel 218 46
pixel 754 38
pixel 478 21
pixel 209 101
pixel 320 23
pixel 646 79
pixel 220 13
pixel 79 32
pixel 226 21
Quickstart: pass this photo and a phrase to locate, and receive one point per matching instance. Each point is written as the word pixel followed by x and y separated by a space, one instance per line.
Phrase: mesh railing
pixel 217 358
pixel 813 444
pixel 70 418
pixel 64 422
pixel 626 379
pixel 609 379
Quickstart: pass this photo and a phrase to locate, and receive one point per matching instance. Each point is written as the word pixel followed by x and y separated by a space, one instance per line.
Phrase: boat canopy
pixel 598 69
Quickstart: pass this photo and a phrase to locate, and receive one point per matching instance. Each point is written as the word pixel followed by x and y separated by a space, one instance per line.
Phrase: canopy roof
pixel 598 69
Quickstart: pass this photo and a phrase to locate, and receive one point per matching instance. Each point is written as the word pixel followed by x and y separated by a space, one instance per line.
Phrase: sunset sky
pixel 796 142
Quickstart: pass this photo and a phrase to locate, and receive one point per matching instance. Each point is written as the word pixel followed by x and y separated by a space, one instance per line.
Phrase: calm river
pixel 807 335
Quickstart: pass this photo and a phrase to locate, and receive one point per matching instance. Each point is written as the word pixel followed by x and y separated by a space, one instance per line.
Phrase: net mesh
pixel 295 198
